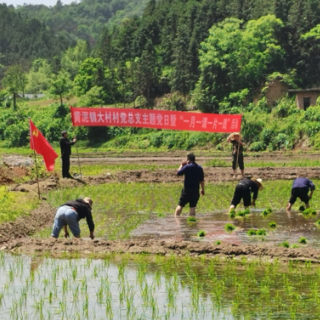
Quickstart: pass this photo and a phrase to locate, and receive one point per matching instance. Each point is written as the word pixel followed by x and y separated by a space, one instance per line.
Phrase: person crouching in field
pixel 193 179
pixel 243 191
pixel 237 153
pixel 300 189
pixel 69 214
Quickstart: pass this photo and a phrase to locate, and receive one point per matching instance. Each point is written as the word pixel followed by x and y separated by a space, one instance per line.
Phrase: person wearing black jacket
pixel 69 214
pixel 65 147
pixel 243 191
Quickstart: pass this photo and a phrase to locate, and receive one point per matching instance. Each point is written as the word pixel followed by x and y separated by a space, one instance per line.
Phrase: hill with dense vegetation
pixel 23 40
pixel 211 55
pixel 85 19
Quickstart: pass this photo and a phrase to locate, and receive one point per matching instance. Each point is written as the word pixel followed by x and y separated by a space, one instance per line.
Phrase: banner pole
pixel 79 162
pixel 35 159
pixel 79 165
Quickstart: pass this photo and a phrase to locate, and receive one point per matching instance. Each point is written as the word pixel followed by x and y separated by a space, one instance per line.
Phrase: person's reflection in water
pixel 35 263
pixel 181 234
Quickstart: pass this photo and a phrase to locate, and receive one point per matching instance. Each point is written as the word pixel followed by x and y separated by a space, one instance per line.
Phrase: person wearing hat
pixel 237 152
pixel 65 147
pixel 300 189
pixel 243 191
pixel 69 214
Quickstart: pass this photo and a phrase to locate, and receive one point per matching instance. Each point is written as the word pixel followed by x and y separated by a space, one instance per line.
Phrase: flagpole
pixel 35 159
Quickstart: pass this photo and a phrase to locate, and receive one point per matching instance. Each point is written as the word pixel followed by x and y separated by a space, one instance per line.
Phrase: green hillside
pixel 23 40
pixel 85 19
pixel 208 55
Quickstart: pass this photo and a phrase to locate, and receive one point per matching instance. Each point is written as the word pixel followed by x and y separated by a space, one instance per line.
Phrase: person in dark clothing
pixel 193 178
pixel 65 147
pixel 69 214
pixel 243 191
pixel 300 189
pixel 237 153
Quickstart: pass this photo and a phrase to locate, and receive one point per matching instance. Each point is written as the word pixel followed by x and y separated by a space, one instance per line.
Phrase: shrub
pixel 257 146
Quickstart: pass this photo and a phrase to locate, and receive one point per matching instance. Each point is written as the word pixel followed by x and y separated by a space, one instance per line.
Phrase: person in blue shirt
pixel 193 180
pixel 300 189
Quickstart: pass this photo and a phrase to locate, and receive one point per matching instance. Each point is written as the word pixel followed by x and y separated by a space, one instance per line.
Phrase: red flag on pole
pixel 39 143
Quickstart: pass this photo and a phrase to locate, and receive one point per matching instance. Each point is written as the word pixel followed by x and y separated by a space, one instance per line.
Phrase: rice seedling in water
pixel 201 233
pixel 229 227
pixel 285 244
pixel 272 225
pixel 318 223
pixel 251 232
pixel 303 240
pixel 217 243
pixel 192 219
pixel 161 215
pixel 309 211
pixel 232 213
pixel 261 232
pixel 241 214
pixel 266 212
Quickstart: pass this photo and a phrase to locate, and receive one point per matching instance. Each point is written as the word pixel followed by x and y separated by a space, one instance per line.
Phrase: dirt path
pixel 155 247
pixel 27 225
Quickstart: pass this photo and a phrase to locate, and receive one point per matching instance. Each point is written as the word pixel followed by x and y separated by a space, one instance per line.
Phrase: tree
pixel 60 85
pixel 39 76
pixel 15 81
pixel 92 73
pixel 73 57
pixel 234 58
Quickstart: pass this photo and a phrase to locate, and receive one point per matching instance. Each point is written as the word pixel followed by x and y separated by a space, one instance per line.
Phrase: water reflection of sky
pixel 289 228
pixel 83 289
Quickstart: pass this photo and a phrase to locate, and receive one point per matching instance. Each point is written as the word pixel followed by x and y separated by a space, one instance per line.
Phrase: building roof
pixel 317 90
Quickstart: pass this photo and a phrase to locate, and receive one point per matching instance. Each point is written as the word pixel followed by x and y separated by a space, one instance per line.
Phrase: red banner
pixel 155 119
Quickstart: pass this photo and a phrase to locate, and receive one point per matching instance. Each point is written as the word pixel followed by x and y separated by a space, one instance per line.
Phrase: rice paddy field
pixel 160 288
pixel 113 286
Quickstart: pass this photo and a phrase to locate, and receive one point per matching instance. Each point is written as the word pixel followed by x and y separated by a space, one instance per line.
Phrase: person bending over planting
pixel 193 179
pixel 237 153
pixel 69 214
pixel 243 191
pixel 300 189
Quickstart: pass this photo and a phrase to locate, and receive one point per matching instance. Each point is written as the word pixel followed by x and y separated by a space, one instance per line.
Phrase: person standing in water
pixel 237 153
pixel 193 180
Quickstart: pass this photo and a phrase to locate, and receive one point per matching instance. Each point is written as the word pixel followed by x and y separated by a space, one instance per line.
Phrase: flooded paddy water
pixel 289 228
pixel 138 286
pixel 158 288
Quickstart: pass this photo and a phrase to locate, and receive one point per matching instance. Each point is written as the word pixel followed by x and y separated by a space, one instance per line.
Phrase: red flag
pixel 39 143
